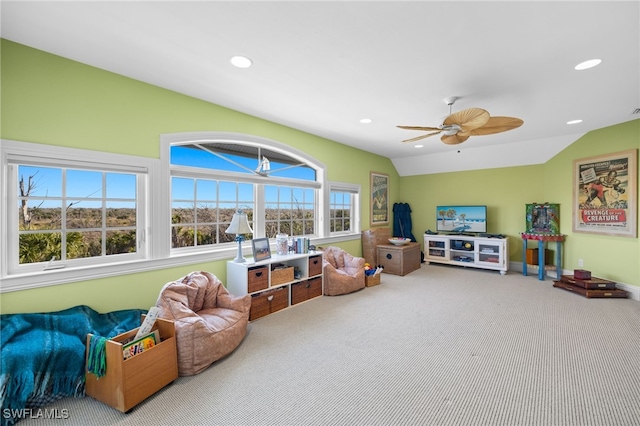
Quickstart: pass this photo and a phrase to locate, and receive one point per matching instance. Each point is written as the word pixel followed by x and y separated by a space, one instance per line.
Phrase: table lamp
pixel 239 226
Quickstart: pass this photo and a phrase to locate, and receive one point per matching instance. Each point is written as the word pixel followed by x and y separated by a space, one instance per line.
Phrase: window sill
pixel 66 276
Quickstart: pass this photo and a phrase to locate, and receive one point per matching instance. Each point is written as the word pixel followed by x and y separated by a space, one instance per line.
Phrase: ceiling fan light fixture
pixel 241 61
pixel 419 146
pixel 451 129
pixel 587 64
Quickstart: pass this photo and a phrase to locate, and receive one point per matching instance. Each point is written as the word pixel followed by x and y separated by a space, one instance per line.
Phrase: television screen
pixel 461 219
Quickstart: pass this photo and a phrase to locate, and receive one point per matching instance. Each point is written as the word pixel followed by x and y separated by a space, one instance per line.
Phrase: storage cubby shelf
pixel 298 278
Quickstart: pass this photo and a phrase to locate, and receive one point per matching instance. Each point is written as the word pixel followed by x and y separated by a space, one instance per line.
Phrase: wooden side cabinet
pixel 276 283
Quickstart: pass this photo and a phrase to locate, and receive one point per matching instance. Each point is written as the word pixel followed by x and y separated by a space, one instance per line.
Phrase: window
pixel 66 213
pixel 289 210
pixel 66 210
pixel 213 176
pixel 340 208
pixel 201 210
pixel 344 200
pixel 69 214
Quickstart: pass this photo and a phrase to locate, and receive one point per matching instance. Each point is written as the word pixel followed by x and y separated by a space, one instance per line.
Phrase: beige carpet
pixel 440 346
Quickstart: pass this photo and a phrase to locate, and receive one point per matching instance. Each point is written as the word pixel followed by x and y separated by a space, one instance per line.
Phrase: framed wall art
pixel 542 218
pixel 379 199
pixel 605 194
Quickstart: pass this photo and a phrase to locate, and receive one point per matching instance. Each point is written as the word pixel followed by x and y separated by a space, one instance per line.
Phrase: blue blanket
pixel 44 353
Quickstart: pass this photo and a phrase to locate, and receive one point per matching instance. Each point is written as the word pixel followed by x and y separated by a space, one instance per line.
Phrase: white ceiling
pixel 322 66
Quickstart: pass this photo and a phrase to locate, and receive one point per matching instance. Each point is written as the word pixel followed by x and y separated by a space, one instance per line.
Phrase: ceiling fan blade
pixel 421 137
pixel 426 129
pixel 497 125
pixel 468 119
pixel 454 139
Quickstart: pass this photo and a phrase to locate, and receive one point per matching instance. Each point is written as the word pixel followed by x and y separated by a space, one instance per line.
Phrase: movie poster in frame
pixel 605 194
pixel 379 199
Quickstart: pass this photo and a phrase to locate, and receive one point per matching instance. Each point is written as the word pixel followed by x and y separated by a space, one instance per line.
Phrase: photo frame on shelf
pixel 605 194
pixel 379 191
pixel 261 249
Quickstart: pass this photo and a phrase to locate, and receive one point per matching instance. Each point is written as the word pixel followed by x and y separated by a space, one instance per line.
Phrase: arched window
pixel 214 174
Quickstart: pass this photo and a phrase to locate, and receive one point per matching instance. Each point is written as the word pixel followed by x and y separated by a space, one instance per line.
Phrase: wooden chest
pixel 268 302
pixel 399 260
pixel 306 290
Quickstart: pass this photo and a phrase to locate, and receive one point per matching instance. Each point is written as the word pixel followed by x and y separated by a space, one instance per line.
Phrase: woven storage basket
pixel 281 275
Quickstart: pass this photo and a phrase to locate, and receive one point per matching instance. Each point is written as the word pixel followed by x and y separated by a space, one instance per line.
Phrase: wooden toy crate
pixel 129 382
pixel 371 280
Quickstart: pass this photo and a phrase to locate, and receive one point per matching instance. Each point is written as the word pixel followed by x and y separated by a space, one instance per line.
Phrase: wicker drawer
pixel 281 275
pixel 306 290
pixel 268 302
pixel 315 265
pixel 258 279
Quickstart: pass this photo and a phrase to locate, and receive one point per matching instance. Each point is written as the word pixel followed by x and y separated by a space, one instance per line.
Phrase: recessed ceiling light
pixel 574 121
pixel 588 64
pixel 366 120
pixel 419 146
pixel 241 61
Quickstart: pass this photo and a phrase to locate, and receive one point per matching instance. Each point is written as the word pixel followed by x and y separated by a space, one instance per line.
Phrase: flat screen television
pixel 461 219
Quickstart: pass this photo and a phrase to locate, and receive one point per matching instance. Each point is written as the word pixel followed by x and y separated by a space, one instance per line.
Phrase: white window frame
pixel 355 193
pixel 18 277
pixel 156 208
pixel 259 181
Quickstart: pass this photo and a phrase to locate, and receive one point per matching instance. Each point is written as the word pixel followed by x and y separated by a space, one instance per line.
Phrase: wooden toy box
pixel 129 382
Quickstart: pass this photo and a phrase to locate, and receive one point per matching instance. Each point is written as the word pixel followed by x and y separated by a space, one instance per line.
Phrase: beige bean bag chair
pixel 210 323
pixel 343 272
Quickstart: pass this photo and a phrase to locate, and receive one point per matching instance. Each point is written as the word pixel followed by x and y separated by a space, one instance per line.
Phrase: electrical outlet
pixel 580 263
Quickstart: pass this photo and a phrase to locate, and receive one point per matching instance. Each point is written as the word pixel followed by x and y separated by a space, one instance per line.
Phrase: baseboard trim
pixel 634 291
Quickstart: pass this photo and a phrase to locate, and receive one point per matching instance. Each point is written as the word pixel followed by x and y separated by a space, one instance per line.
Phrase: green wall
pixel 506 191
pixel 52 100
pixel 612 257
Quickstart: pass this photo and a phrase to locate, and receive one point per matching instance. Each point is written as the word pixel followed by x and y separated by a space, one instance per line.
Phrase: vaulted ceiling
pixel 321 67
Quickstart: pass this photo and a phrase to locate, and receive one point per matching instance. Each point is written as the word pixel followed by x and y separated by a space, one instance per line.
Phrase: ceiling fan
pixel 457 127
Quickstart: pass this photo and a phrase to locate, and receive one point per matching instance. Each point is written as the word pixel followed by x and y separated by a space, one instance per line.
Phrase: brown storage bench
pixel 126 383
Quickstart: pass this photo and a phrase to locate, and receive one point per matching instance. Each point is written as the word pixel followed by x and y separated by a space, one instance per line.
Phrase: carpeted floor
pixel 440 346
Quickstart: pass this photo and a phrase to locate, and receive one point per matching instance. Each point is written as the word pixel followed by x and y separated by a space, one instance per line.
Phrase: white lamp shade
pixel 239 224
